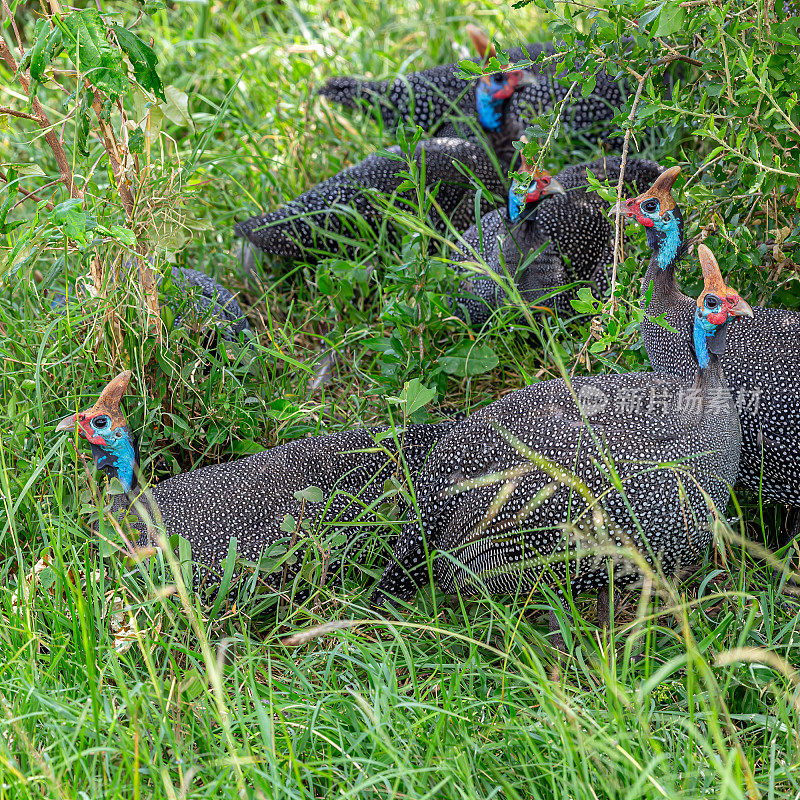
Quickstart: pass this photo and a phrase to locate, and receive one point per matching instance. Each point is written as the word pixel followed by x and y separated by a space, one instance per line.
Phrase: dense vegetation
pixel 696 695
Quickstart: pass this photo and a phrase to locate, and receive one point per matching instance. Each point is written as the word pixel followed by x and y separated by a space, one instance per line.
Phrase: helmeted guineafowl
pixel 197 295
pixel 762 355
pixel 521 491
pixel 345 211
pixel 251 497
pixel 426 99
pixel 569 230
pixel 434 97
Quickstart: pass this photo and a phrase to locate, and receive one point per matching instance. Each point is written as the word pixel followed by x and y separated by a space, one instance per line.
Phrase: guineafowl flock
pixel 575 484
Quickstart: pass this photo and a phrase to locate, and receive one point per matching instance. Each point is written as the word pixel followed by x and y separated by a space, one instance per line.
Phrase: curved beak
pixel 741 309
pixel 554 187
pixel 622 208
pixel 528 79
pixel 68 423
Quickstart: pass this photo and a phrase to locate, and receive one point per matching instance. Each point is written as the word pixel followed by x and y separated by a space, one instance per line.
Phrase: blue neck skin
pixel 117 460
pixel 515 203
pixel 664 238
pixel 703 331
pixel 490 109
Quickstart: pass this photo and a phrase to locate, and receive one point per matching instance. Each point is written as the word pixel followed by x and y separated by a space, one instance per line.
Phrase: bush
pixel 718 84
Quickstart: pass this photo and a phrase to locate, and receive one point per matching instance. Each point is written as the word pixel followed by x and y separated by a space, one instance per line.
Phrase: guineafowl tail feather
pixel 352 92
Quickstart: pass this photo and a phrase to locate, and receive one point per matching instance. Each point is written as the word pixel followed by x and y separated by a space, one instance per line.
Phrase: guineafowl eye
pixel 650 206
pixel 712 301
pixel 101 422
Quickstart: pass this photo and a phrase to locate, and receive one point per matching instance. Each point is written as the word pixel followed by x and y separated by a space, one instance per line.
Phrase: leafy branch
pixel 102 54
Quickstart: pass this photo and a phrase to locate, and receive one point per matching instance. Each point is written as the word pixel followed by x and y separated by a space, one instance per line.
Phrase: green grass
pixel 696 696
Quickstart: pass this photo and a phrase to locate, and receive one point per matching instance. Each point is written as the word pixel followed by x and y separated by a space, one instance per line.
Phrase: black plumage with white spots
pixel 572 231
pixel 434 97
pixel 427 99
pixel 197 295
pixel 346 212
pixel 521 491
pixel 761 361
pixel 208 298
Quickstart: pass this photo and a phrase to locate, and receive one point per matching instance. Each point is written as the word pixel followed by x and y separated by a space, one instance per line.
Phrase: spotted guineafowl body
pixel 208 299
pixel 761 361
pixel 346 212
pixel 521 491
pixel 470 152
pixel 570 231
pixel 761 365
pixel 580 114
pixel 250 498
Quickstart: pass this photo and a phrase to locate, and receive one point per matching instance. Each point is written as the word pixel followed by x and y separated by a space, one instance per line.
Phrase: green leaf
pixel 185 559
pixel 39 52
pixel 216 433
pixel 136 141
pixel 11 196
pixel 142 58
pixel 83 125
pixel 84 38
pixel 311 494
pixel 671 19
pixel 177 108
pixel 224 587
pixel 46 47
pixel 413 397
pixel 246 447
pixel 124 235
pixel 325 284
pixel 467 359
pixel 72 217
pixel 584 303
pixel 288 524
pixel 192 685
pixel 470 67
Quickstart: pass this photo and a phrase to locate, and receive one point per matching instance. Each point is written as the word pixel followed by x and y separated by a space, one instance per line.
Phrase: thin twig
pixel 14 26
pixel 20 114
pixel 621 184
pixel 44 123
pixel 29 195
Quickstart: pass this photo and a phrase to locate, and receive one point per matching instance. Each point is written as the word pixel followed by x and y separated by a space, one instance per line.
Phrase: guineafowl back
pixel 252 498
pixel 509 495
pixel 761 364
pixel 205 295
pixel 425 98
pixel 339 213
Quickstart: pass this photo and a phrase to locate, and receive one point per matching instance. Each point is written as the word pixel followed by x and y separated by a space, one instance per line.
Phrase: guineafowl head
pixel 716 306
pixel 493 90
pixel 104 426
pixel 522 201
pixel 657 211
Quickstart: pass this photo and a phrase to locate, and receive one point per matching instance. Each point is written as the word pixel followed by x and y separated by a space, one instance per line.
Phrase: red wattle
pixel 512 79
